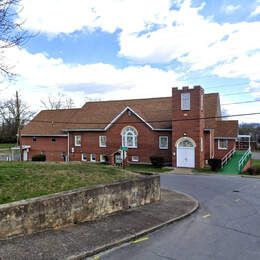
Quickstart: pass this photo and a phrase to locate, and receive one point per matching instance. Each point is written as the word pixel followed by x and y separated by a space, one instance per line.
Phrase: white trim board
pixel 49 135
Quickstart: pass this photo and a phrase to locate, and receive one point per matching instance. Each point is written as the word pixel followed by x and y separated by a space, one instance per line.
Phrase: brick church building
pixel 186 129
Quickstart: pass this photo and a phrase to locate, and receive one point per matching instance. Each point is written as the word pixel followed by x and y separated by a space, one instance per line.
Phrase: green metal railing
pixel 244 159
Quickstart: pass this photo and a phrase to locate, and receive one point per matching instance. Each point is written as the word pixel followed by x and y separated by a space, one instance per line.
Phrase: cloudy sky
pixel 120 49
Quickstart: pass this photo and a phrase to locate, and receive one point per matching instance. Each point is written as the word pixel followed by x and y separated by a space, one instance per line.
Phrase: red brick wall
pixel 181 124
pixel 209 144
pixel 53 151
pixel 220 153
pixel 148 141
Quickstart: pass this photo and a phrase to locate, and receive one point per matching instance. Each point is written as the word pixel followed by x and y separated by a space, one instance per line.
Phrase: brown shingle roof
pixel 226 128
pixel 46 122
pixel 97 115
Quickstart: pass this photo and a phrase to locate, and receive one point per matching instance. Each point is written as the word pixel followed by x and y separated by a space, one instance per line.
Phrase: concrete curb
pixel 250 176
pixel 129 238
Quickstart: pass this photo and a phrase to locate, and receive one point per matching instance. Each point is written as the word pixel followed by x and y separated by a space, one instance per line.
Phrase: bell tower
pixel 188 125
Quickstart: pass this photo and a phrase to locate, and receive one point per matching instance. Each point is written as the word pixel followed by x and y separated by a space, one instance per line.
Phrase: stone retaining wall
pixel 71 207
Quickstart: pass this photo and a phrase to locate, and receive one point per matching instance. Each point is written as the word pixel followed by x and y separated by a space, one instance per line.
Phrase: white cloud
pixel 246 66
pixel 256 12
pixel 230 9
pixel 66 16
pixel 42 75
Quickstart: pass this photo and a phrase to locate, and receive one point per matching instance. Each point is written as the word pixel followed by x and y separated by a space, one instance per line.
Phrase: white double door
pixel 186 157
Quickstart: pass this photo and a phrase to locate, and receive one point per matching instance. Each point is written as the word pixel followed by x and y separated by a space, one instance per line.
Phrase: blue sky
pixel 119 49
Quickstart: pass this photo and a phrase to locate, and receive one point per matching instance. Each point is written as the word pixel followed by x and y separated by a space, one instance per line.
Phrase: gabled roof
pixel 99 115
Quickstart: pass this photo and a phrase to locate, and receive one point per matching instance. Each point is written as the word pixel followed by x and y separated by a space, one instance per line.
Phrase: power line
pixel 242 102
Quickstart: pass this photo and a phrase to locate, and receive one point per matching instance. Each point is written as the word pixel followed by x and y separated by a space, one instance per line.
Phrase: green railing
pixel 244 159
pixel 225 159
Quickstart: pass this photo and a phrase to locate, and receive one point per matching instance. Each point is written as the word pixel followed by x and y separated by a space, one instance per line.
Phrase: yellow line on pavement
pixel 206 216
pixel 141 239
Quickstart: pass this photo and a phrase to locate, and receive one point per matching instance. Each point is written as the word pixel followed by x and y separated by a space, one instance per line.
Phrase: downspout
pixel 210 148
pixel 68 155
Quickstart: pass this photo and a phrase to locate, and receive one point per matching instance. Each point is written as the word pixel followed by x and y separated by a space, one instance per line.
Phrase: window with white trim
pixel 84 157
pixel 163 142
pixel 77 140
pixel 222 144
pixel 102 158
pixel 92 157
pixel 129 137
pixel 102 141
pixel 135 158
pixel 185 101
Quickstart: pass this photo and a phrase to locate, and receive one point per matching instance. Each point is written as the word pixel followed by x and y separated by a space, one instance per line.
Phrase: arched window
pixel 185 142
pixel 129 137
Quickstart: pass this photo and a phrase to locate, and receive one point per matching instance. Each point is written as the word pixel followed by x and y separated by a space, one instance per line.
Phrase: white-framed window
pixel 102 158
pixel 102 141
pixel 135 158
pixel 77 140
pixel 84 157
pixel 163 142
pixel 92 157
pixel 222 144
pixel 185 101
pixel 129 137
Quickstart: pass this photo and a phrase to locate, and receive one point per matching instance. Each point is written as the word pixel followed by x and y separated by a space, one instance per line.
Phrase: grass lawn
pixel 6 145
pixel 32 179
pixel 256 163
pixel 147 168
pixel 206 169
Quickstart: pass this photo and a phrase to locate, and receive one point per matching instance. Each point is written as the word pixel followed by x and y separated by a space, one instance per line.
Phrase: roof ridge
pixel 123 100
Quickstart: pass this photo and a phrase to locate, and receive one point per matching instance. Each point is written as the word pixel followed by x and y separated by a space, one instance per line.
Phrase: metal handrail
pixel 243 158
pixel 225 159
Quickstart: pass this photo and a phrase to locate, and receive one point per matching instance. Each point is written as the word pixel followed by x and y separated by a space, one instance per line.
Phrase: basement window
pixel 135 158
pixel 84 157
pixel 102 158
pixel 92 157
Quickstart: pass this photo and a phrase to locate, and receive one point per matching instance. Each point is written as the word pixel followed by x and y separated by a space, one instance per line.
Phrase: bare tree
pixel 11 33
pixel 61 101
pixel 14 114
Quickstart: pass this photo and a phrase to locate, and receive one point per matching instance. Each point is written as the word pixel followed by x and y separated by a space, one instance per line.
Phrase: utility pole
pixel 18 123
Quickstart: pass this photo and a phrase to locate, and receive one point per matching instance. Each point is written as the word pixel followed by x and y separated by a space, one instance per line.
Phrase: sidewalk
pixel 89 238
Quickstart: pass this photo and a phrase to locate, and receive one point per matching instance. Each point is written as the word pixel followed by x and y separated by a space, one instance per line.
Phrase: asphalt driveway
pixel 227 225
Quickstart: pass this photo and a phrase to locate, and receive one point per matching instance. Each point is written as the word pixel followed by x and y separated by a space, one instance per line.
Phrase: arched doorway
pixel 185 147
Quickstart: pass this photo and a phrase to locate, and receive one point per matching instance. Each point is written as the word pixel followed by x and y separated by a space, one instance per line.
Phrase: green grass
pixel 32 179
pixel 147 168
pixel 6 145
pixel 256 163
pixel 206 169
